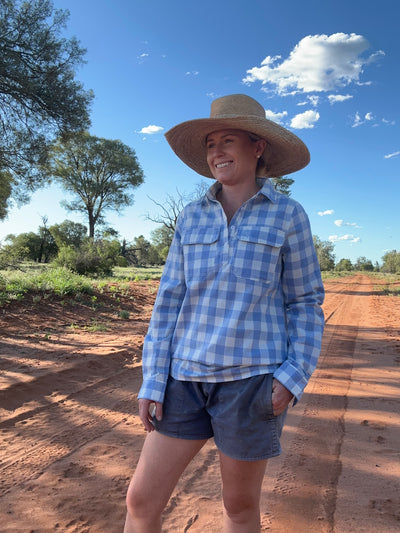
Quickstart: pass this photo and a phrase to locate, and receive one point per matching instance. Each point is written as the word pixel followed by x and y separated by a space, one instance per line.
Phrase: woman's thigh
pixel 161 463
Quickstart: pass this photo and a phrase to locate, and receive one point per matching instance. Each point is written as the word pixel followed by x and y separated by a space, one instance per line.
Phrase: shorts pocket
pixel 201 252
pixel 258 252
pixel 263 397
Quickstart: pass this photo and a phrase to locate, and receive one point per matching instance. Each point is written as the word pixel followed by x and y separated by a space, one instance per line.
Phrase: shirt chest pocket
pixel 201 252
pixel 258 252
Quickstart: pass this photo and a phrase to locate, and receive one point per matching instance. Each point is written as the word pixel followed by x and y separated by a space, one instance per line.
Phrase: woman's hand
pixel 148 408
pixel 281 397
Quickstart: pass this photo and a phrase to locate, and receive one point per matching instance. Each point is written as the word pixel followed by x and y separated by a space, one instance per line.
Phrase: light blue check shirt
pixel 237 300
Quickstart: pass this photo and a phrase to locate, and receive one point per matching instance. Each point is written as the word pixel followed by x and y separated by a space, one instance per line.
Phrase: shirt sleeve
pixel 156 356
pixel 303 296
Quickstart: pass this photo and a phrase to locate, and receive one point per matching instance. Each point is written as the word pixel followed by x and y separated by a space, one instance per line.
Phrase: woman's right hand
pixel 148 408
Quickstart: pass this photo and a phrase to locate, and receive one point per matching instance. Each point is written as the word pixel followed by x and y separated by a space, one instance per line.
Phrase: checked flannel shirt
pixel 237 300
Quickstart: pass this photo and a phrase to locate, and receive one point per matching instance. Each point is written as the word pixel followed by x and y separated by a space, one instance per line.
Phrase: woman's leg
pixel 241 490
pixel 161 463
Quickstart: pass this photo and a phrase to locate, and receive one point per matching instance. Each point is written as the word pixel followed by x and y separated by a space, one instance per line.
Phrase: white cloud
pixel 317 63
pixel 327 212
pixel 394 154
pixel 151 130
pixel 192 73
pixel 305 120
pixel 341 223
pixel 275 117
pixel 313 100
pixel 333 98
pixel 350 238
pixel 358 120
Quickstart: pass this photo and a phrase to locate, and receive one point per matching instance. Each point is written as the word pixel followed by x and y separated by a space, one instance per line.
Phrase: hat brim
pixel 285 152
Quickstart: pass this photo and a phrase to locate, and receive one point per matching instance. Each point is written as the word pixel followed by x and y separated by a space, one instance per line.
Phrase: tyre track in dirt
pixel 302 494
pixel 70 434
pixel 65 425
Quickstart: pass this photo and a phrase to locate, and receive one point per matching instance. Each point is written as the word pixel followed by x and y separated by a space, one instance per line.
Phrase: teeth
pixel 222 165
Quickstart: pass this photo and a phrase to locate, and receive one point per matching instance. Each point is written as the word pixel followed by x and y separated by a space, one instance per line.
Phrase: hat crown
pixel 236 105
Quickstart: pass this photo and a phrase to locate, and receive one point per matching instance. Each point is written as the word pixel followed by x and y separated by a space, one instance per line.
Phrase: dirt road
pixel 70 435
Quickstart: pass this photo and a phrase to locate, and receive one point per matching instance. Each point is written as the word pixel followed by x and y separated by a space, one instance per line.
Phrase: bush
pixel 93 258
pixel 59 281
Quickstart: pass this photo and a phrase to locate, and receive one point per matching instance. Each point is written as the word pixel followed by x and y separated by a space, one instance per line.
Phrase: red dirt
pixel 70 435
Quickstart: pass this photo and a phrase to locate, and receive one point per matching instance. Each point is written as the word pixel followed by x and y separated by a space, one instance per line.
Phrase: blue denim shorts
pixel 238 414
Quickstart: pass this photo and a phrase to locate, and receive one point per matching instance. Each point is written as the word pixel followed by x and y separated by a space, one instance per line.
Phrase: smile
pixel 223 165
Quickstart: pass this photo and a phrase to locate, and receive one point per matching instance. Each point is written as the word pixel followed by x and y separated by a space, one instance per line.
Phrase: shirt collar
pixel 266 189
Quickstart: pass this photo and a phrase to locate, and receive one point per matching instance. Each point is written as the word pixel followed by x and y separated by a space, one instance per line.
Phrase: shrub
pixel 93 258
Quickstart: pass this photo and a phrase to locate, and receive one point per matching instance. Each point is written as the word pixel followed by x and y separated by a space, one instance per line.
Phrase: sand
pixel 70 435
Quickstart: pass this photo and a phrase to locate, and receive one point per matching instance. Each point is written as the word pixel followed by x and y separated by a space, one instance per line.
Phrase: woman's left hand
pixel 281 397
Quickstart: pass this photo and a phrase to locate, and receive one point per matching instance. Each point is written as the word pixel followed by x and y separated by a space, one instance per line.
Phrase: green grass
pixel 40 283
pixel 43 281
pixel 137 273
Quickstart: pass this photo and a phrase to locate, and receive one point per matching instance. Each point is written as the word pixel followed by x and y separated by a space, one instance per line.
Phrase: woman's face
pixel 232 156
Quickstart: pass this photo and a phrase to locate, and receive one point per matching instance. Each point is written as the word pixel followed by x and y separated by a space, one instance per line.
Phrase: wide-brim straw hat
pixel 285 152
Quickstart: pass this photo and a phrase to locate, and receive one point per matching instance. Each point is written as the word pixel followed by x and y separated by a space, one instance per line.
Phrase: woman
pixel 237 324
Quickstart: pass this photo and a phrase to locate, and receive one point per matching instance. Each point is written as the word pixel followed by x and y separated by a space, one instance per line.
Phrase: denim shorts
pixel 238 414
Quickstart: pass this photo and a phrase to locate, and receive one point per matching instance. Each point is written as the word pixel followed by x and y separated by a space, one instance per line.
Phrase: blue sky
pixel 328 71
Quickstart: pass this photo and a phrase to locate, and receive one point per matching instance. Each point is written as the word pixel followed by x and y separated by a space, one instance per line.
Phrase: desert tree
pixel 282 185
pixel 325 253
pixel 173 204
pixel 40 99
pixel 99 173
pixel 391 262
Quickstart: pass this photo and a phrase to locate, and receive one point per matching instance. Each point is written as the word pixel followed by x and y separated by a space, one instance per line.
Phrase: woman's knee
pixel 140 505
pixel 237 505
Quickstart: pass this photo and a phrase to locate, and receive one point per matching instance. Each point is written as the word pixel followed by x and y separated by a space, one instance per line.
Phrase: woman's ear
pixel 261 145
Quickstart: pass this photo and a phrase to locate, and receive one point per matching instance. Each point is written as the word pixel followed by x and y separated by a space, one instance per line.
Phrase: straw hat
pixel 285 152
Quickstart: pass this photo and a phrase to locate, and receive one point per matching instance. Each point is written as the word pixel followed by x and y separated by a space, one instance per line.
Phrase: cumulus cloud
pixel 151 130
pixel 358 119
pixel 350 238
pixel 317 63
pixel 305 120
pixel 341 223
pixel 327 212
pixel 394 154
pixel 276 117
pixel 334 98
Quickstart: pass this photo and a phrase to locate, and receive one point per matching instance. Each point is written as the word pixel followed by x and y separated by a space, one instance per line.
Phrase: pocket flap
pixel 270 236
pixel 201 235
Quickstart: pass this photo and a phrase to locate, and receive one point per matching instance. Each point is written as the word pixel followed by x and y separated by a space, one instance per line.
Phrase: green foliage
pixel 282 185
pixel 39 96
pixel 344 265
pixel 94 258
pixel 326 257
pixel 391 262
pixel 137 273
pixel 364 264
pixel 12 255
pixel 100 174
pixel 68 233
pixel 161 239
pixel 57 281
pixel 141 253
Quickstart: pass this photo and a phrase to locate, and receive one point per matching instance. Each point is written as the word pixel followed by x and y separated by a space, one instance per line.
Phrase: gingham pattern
pixel 237 301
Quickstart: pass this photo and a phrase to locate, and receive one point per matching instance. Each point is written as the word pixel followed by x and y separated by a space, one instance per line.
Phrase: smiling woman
pixel 236 328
